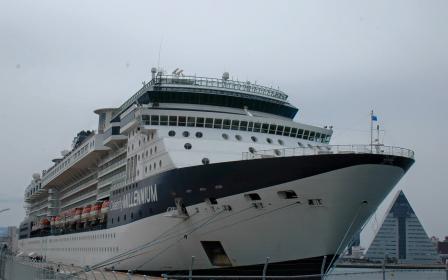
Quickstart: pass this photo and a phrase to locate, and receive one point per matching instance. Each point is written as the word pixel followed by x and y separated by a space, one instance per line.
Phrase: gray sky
pixel 337 60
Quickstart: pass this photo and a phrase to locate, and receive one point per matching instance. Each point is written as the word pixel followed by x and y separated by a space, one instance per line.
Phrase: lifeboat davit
pixel 86 212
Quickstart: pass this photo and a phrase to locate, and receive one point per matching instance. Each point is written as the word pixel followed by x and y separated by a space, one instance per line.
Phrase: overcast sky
pixel 337 60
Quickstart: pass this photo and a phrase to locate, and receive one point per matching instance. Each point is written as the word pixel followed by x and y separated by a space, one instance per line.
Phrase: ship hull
pixel 336 194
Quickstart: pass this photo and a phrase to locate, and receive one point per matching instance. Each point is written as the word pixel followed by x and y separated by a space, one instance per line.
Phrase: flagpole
pixel 371 131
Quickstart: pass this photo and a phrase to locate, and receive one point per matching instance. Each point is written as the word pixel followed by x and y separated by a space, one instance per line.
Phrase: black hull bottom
pixel 310 266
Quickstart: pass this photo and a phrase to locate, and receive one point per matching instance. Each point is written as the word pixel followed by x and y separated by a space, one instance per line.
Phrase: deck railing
pixel 330 149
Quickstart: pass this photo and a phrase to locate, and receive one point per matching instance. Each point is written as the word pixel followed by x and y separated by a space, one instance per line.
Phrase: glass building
pixel 401 237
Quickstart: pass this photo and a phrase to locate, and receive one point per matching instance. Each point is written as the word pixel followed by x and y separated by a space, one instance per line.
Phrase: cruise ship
pixel 211 174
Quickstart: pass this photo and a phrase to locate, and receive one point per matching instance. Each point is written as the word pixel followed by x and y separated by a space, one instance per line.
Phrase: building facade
pixel 401 237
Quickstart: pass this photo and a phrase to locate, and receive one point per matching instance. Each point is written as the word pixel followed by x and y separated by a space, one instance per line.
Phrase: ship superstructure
pixel 211 168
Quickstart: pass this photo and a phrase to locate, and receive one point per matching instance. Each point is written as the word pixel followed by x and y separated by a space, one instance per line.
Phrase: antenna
pixel 160 50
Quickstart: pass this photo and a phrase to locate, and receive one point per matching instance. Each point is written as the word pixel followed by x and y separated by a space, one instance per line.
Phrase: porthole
pixel 280 141
pixel 198 134
pixel 185 134
pixel 254 138
pixel 277 152
pixel 238 137
pixel 252 150
pixel 172 133
pixel 269 140
pixel 160 163
pixel 187 146
pixel 205 161
pixel 300 144
pixel 155 149
pixel 225 136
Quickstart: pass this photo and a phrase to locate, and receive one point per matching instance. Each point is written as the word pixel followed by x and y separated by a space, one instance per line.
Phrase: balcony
pixel 112 167
pixel 112 136
pixel 112 180
pixel 77 163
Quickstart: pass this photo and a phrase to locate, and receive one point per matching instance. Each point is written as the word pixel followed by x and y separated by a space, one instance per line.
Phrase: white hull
pixel 283 229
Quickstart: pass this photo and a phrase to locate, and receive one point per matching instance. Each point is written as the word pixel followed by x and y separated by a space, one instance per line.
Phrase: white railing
pixel 112 167
pixel 330 149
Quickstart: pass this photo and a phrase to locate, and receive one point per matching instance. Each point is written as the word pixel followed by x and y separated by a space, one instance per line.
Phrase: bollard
pixel 129 274
pixel 265 268
pixel 190 272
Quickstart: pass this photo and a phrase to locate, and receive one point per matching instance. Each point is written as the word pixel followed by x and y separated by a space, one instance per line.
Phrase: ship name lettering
pixel 144 195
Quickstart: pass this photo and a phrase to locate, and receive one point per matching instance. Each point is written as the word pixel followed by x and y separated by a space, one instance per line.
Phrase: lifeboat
pixel 77 215
pixel 69 216
pixel 57 221
pixel 95 210
pixel 86 212
pixel 105 207
pixel 44 223
pixel 52 221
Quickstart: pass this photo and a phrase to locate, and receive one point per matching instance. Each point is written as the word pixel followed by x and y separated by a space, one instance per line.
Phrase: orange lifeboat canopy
pixel 105 207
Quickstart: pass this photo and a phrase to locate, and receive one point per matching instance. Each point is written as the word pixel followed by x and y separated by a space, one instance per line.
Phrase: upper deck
pixel 261 96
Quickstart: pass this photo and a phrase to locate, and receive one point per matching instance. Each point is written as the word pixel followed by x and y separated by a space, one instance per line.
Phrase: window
pixel 257 127
pixel 209 122
pixel 199 122
pixel 163 120
pixel 171 133
pixel 226 124
pixel 211 200
pixel 280 130
pixel 173 121
pixel 272 128
pixel 215 253
pixel 198 134
pixel 269 140
pixel 185 134
pixel 265 128
pixel 205 161
pixel 277 152
pixel 235 124
pixel 160 163
pixel 280 141
pixel 154 120
pixel 190 121
pixel 225 136
pixel 315 202
pixel 306 134
pixel 218 123
pixel 300 144
pixel 289 194
pixel 254 139
pixel 252 150
pixel 286 131
pixel 238 137
pixel 187 146
pixel 252 196
pixel 182 121
pixel 243 125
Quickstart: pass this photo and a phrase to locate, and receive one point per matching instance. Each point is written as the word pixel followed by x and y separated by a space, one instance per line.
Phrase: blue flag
pixel 374 118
